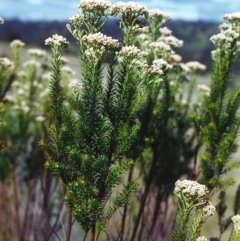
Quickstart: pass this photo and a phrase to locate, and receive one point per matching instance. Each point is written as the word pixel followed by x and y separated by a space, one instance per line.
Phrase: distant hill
pixel 197 45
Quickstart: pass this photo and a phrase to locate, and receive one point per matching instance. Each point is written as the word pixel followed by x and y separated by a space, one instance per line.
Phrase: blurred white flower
pixel 38 53
pixel 202 238
pixel 203 88
pixel 5 62
pixel 236 222
pixel 68 70
pixel 40 118
pixel 195 65
pixel 17 44
pixel 1 20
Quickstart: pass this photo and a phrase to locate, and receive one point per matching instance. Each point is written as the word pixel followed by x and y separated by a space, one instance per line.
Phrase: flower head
pixel 94 6
pixel 209 210
pixel 195 65
pixel 190 188
pixel 129 9
pixel 131 52
pixel 5 63
pixel 75 85
pixel 232 17
pixel 17 44
pixel 57 41
pixel 98 40
pixel 236 221
pixel 156 14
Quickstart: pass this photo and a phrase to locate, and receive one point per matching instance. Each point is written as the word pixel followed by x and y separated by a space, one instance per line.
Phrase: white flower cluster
pixel 202 238
pixel 161 63
pixel 57 41
pixel 132 52
pixel 99 39
pixel 17 44
pixel 76 20
pixel 38 53
pixel 129 8
pixel 158 66
pixel 158 15
pixel 236 218
pixel 236 222
pixel 165 31
pixel 94 5
pixel 190 188
pixel 232 17
pixel 195 65
pixel 5 63
pixel 228 31
pixel 172 41
pixel 209 210
pixel 75 85
pixel 160 46
pixel 1 20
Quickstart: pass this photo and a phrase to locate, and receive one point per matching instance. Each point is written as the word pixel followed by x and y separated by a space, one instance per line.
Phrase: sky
pixel 207 10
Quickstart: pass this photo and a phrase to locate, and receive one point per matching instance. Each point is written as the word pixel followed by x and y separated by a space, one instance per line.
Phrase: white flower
pixel 160 46
pixel 94 5
pixel 40 118
pixel 202 238
pixel 39 53
pixel 68 70
pixel 76 20
pixel 172 41
pixel 1 20
pixel 162 64
pixel 165 31
pixel 99 39
pixel 142 36
pixel 158 15
pixel 57 41
pixel 5 62
pixel 203 87
pixel 47 76
pixel 129 8
pixel 225 26
pixel 236 221
pixel 232 17
pixel 209 210
pixel 75 85
pixel 158 66
pixel 17 44
pixel 195 65
pixel 221 38
pixel 175 58
pixel 190 188
pixel 64 60
pixel 132 52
